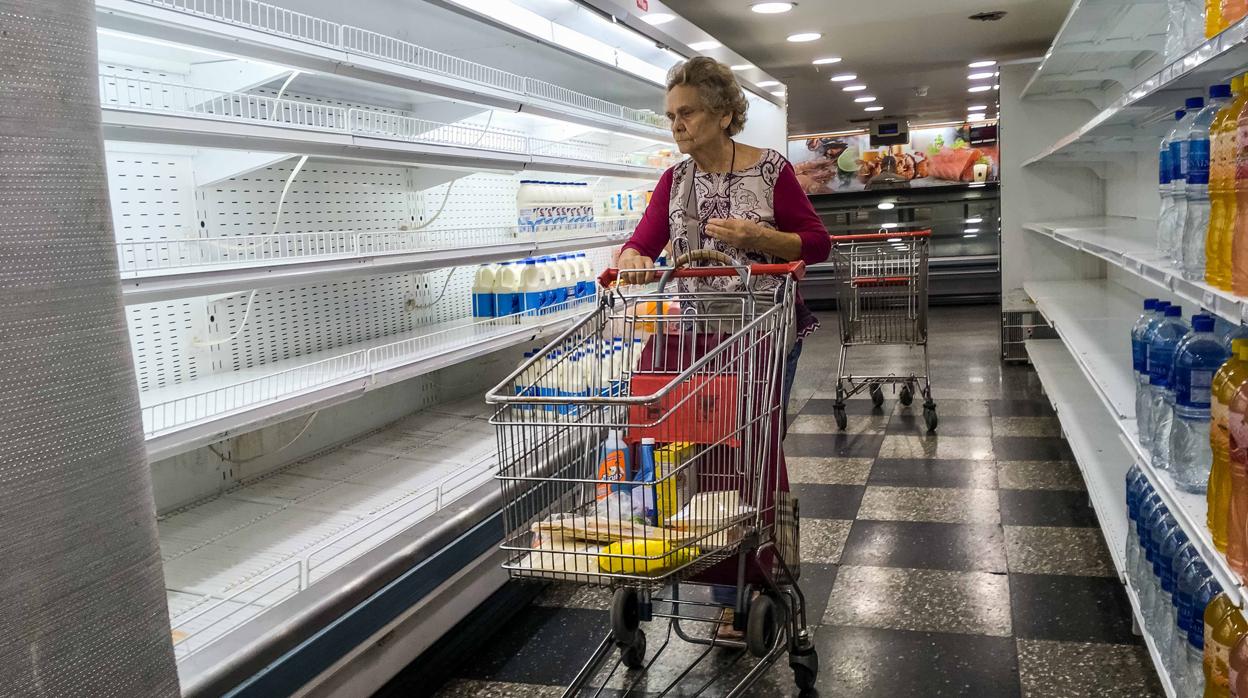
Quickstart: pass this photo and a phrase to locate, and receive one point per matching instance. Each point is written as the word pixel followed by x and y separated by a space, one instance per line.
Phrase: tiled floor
pixel 962 563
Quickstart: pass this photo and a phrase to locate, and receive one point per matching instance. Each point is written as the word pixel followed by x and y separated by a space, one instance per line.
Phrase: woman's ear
pixel 724 121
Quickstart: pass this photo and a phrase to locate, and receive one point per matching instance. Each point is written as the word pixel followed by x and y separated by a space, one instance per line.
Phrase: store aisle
pixel 967 563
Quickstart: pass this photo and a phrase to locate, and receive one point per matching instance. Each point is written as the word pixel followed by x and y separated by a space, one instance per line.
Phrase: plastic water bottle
pixel 1165 189
pixel 1161 350
pixel 1178 175
pixel 1193 25
pixel 1152 514
pixel 1149 502
pixel 1162 611
pixel 1177 638
pixel 1197 358
pixel 1175 40
pixel 1144 409
pixel 1163 527
pixel 1135 486
pixel 1139 357
pixel 1196 221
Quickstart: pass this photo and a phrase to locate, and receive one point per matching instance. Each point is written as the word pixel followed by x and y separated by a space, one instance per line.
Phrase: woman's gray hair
pixel 717 86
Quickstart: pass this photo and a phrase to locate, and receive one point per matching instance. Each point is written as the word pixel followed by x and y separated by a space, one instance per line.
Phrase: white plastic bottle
pixel 550 283
pixel 569 275
pixel 531 287
pixel 1165 188
pixel 1178 153
pixel 508 299
pixel 586 275
pixel 1193 25
pixel 1176 28
pixel 483 291
pixel 1196 222
pixel 526 204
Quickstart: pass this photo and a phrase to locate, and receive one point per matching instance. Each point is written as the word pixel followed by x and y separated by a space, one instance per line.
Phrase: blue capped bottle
pixel 1139 357
pixel 1196 184
pixel 1167 217
pixel 1161 349
pixel 1196 359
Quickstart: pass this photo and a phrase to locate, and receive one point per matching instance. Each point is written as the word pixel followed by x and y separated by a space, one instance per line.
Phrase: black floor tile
pixel 933 472
pixel 912 423
pixel 1030 448
pixel 869 662
pixel 854 405
pixel 1045 508
pixel 840 445
pixel 937 546
pixel 1020 408
pixel 816 583
pixel 522 651
pixel 828 501
pixel 1070 608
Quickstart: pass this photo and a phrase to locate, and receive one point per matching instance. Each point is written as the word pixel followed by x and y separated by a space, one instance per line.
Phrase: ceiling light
pixel 705 45
pixel 864 100
pixel 975 117
pixel 826 61
pixel 874 109
pixel 844 77
pixel 980 88
pixel 888 225
pixel 976 107
pixel 658 18
pixel 743 66
pixel 981 64
pixel 975 220
pixel 767 83
pixel 969 235
pixel 777 94
pixel 771 8
pixel 885 206
pixel 803 37
pixel 981 76
pixel 853 88
pixel 971 230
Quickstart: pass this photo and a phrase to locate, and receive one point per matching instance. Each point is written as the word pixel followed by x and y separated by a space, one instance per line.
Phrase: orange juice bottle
pixel 1222 136
pixel 1226 382
pixel 1231 11
pixel 1239 232
pixel 1213 18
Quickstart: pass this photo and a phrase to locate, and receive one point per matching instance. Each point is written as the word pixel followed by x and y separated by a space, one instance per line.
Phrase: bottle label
pixel 1178 160
pixel 1198 161
pixel 1165 167
pixel 1219 427
pixel 1191 387
pixel 1160 358
pixel 1139 356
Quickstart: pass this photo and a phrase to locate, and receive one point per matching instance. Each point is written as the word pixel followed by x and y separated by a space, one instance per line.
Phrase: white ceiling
pixel 896 47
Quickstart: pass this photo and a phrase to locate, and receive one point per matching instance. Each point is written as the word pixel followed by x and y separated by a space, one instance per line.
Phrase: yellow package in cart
pixel 674 490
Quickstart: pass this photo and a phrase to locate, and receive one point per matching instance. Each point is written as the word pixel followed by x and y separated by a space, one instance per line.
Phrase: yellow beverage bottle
pixel 1223 133
pixel 1226 382
pixel 1231 11
pixel 1213 18
pixel 1223 629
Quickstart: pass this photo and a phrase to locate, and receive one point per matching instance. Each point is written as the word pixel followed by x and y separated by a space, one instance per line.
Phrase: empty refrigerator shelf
pixel 230 558
pixel 156 270
pixel 184 416
pixel 272 34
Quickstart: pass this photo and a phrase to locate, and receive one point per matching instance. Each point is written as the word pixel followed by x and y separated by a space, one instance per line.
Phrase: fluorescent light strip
pixel 981 64
pixel 767 83
pixel 853 88
pixel 705 45
pixel 658 18
pixel 874 109
pixel 844 77
pixel 980 88
pixel 804 37
pixel 864 100
pixel 826 61
pixel 771 8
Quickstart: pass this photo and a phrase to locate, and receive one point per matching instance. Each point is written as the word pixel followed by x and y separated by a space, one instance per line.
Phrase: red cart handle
pixel 797 269
pixel 867 237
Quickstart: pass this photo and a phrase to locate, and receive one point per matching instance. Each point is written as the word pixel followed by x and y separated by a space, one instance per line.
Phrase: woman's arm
pixel 801 233
pixel 651 236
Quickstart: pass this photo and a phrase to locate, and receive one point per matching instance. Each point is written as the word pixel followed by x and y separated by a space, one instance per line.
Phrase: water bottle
pixel 1175 39
pixel 1193 25
pixel 1139 357
pixel 1196 220
pixel 1197 358
pixel 1135 481
pixel 1161 350
pixel 1165 189
pixel 1177 638
pixel 1178 175
pixel 1163 528
pixel 1143 404
pixel 1163 620
pixel 1149 505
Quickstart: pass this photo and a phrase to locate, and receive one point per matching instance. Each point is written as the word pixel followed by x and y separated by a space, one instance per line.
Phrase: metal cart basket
pixel 640 451
pixel 881 282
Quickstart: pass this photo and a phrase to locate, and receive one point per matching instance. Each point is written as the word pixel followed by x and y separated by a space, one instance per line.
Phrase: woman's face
pixel 693 126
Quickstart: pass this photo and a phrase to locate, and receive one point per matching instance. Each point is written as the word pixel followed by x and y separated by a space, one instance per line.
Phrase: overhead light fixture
pixel 874 109
pixel 767 83
pixel 771 8
pixel 977 107
pixel 981 76
pixel 975 117
pixel 844 77
pixel 705 45
pixel 853 88
pixel 886 206
pixel 975 220
pixel 980 64
pixel 864 100
pixel 980 88
pixel 888 225
pixel 827 60
pixel 803 37
pixel 657 18
pixel 971 230
pixel 969 235
pixel 777 94
pixel 743 66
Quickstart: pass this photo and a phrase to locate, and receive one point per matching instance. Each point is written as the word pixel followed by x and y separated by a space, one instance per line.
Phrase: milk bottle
pixel 483 304
pixel 507 296
pixel 531 288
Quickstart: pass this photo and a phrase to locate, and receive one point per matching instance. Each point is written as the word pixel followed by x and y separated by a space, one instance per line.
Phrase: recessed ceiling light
pixel 853 88
pixel 778 94
pixel 767 83
pixel 803 37
pixel 888 225
pixel 864 100
pixel 828 60
pixel 658 18
pixel 705 45
pixel 743 66
pixel 977 107
pixel 885 206
pixel 969 235
pixel 975 117
pixel 971 230
pixel 771 8
pixel 975 220
pixel 980 64
pixel 844 77
pixel 980 88
pixel 980 76
pixel 874 109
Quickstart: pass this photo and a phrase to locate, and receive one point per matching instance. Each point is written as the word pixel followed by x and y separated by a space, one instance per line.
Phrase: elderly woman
pixel 731 197
pixel 727 196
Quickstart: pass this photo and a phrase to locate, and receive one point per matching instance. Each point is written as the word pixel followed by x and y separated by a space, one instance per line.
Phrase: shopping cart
pixel 881 282
pixel 690 382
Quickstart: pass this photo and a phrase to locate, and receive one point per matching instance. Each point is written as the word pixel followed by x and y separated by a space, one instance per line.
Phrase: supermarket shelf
pixel 158 270
pixel 1135 121
pixel 263 32
pixel 199 412
pixel 1129 243
pixel 1167 683
pixel 1097 340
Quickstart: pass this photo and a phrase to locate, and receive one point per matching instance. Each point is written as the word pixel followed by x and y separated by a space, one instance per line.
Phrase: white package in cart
pixel 711 510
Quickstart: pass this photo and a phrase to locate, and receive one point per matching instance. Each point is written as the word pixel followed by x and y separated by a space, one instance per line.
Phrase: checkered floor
pixel 963 563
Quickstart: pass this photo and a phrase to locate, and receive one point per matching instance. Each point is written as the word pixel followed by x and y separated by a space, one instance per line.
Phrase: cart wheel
pixel 763 626
pixel 634 656
pixel 838 411
pixel 625 615
pixel 877 394
pixel 906 395
pixel 805 668
pixel 929 416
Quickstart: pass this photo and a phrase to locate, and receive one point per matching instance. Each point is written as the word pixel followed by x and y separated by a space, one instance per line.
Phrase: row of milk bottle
pixel 594 368
pixel 534 285
pixel 541 204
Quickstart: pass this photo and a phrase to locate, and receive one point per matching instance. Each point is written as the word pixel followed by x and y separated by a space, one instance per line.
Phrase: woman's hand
pixel 737 232
pixel 637 265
